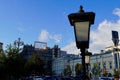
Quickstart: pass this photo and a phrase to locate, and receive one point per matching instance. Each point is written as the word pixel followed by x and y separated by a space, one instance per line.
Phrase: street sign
pixel 115 38
pixel 115 35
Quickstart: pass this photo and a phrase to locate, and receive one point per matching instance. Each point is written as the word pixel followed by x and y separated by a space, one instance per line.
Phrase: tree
pixel 14 62
pixel 105 73
pixel 78 69
pixel 67 71
pixel 35 65
pixel 2 65
pixel 96 70
pixel 116 72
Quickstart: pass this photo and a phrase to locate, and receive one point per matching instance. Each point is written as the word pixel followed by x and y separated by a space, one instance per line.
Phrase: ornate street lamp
pixel 81 22
pixel 87 60
pixel 18 43
pixel 87 57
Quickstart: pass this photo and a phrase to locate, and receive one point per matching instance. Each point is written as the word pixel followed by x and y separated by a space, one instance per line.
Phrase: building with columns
pixel 60 62
pixel 101 64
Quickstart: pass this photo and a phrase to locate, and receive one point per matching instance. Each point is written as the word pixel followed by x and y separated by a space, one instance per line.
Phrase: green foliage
pixel 116 72
pixel 78 69
pixel 14 62
pixel 105 73
pixel 35 65
pixel 67 71
pixel 13 65
pixel 2 65
pixel 96 70
pixel 12 51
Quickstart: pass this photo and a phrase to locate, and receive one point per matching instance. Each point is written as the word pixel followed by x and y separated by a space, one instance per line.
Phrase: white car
pixel 106 78
pixel 38 78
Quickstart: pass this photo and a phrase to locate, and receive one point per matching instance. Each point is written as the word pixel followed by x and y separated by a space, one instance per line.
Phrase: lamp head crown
pixel 81 9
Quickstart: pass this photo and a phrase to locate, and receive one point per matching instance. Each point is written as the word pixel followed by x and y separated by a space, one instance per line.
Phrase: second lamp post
pixel 81 22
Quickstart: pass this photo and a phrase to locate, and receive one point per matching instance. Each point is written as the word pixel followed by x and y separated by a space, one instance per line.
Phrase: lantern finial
pixel 81 9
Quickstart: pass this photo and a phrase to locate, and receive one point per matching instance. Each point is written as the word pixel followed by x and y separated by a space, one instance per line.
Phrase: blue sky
pixel 47 21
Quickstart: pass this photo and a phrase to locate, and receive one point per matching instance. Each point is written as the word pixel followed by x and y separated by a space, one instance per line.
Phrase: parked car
pixel 35 78
pixel 38 78
pixel 50 78
pixel 67 78
pixel 106 78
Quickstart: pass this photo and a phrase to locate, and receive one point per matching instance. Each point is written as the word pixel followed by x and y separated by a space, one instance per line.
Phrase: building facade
pixel 101 64
pixel 44 53
pixel 60 63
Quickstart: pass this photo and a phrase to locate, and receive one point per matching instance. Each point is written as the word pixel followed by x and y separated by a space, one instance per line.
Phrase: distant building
pixel 55 51
pixel 60 61
pixel 56 60
pixel 58 65
pixel 45 55
pixel 28 50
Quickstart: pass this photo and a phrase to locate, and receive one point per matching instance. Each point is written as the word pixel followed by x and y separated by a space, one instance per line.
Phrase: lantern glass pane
pixel 82 30
pixel 87 59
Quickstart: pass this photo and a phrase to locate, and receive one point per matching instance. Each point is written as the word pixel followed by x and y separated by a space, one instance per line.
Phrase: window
pixel 110 64
pixel 99 65
pixel 104 64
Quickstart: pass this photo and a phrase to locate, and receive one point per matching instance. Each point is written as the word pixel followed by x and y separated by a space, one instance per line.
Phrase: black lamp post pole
pixel 83 64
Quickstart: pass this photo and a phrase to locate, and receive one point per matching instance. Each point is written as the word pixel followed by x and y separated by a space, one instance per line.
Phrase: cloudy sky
pixel 47 21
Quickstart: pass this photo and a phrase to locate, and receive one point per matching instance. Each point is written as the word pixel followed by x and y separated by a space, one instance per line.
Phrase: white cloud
pixel 57 38
pixel 71 48
pixel 102 37
pixel 99 38
pixel 117 12
pixel 45 36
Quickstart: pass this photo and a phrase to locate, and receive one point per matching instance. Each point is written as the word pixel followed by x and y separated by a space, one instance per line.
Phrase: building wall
pixel 104 59
pixel 45 55
pixel 58 65
pixel 60 62
pixel 73 63
pixel 59 59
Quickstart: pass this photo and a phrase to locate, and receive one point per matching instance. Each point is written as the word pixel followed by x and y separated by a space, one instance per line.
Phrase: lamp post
pixel 115 39
pixel 18 43
pixel 87 57
pixel 81 22
pixel 87 60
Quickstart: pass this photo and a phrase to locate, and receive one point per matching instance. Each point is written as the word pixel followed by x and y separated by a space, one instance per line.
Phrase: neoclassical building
pixel 101 64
